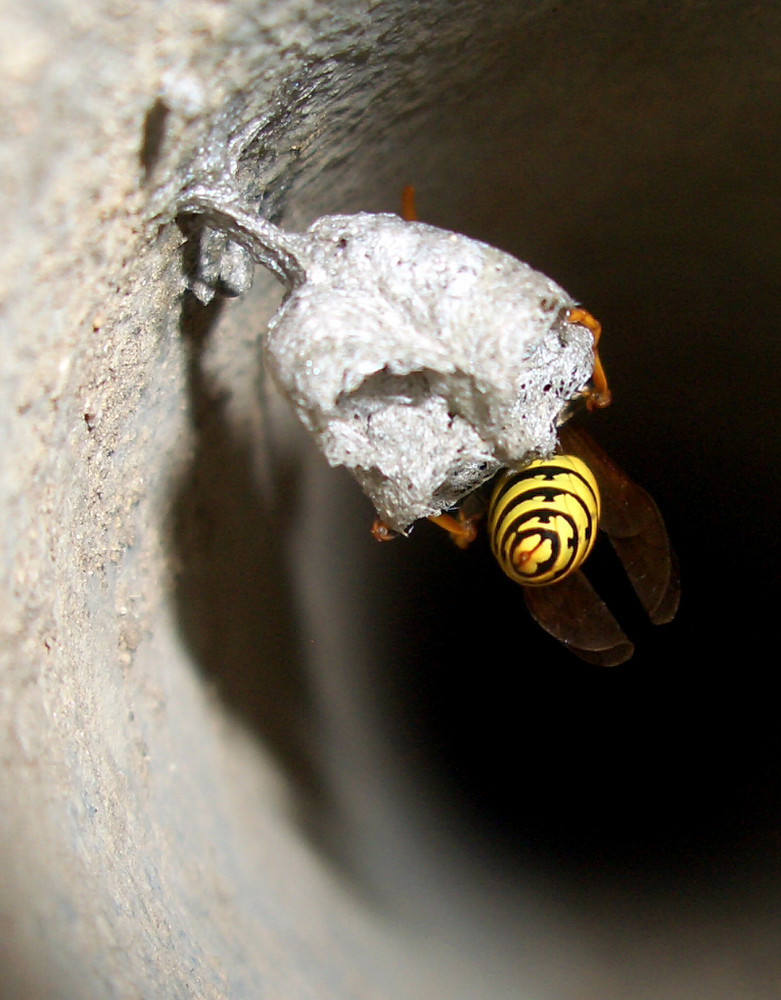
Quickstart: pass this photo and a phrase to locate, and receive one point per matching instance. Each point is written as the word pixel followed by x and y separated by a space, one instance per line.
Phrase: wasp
pixel 542 524
pixel 543 521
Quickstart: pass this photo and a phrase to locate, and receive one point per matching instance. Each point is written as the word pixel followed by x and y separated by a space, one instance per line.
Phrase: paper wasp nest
pixel 419 359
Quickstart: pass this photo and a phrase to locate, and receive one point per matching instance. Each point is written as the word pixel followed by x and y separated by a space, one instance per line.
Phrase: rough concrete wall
pixel 117 880
pixel 194 781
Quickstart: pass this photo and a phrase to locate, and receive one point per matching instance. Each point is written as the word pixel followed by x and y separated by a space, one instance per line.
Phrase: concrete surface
pixel 245 753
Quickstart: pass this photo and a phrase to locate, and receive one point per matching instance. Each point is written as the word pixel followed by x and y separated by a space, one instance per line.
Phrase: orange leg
pixel 408 212
pixel 381 532
pixel 461 529
pixel 598 395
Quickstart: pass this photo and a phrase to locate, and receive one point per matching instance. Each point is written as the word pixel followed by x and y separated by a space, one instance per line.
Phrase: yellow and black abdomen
pixel 543 520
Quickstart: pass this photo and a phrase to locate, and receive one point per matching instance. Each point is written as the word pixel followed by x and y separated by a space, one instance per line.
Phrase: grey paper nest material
pixel 419 359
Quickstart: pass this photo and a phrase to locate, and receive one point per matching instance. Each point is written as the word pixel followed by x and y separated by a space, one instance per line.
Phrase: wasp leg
pixel 598 395
pixel 461 529
pixel 382 533
pixel 408 212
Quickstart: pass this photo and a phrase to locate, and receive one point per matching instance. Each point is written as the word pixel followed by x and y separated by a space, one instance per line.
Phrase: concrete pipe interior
pixel 246 751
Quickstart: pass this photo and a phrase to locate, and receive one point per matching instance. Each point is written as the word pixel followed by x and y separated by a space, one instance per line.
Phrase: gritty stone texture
pixel 137 818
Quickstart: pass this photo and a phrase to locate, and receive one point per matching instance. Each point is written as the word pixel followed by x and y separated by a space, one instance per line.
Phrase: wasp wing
pixel 652 569
pixel 574 613
pixel 635 527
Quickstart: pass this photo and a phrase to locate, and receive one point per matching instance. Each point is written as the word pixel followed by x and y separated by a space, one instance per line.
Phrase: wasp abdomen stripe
pixel 543 520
